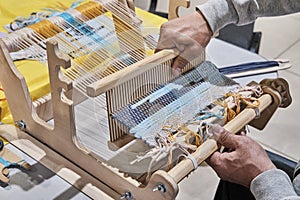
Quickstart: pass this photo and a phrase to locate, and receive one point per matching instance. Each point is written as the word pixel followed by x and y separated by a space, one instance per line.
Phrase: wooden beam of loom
pixel 130 72
pixel 62 135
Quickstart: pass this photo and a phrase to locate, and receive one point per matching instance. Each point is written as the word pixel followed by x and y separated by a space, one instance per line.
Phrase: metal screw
pixel 21 124
pixel 1 145
pixel 160 187
pixel 127 196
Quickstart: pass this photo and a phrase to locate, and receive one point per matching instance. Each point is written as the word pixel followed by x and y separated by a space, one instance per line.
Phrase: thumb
pixel 224 137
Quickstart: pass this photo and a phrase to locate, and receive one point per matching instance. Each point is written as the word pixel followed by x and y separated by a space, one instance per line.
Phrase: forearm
pixel 219 13
pixel 272 185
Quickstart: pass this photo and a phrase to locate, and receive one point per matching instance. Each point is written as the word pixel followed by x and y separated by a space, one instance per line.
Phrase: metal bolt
pixel 127 196
pixel 21 124
pixel 1 145
pixel 160 187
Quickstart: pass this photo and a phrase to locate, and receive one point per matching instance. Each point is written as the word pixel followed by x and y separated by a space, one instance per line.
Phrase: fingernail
pixel 176 72
pixel 218 132
pixel 243 133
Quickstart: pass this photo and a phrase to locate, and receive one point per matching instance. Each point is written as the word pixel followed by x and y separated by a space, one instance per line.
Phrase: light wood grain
pixel 129 72
pixel 174 6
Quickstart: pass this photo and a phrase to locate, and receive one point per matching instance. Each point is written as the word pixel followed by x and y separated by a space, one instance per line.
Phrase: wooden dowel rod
pixel 182 169
pixel 129 72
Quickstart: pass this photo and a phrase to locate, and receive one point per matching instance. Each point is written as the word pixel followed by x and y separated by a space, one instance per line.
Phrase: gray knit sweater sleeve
pixel 219 13
pixel 273 185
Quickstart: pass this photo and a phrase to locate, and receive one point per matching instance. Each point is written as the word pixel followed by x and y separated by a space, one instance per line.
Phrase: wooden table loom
pixel 136 80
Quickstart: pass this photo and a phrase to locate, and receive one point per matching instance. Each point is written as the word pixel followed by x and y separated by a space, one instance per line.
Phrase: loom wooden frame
pixel 62 136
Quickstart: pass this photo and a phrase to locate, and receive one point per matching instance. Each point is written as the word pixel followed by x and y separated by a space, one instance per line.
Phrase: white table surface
pixel 223 54
pixel 38 183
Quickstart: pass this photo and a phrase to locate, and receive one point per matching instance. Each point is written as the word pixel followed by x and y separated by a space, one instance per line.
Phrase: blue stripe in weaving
pixel 4 162
pixel 82 27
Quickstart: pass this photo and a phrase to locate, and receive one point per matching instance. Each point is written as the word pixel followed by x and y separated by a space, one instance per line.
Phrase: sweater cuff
pixel 272 184
pixel 297 169
pixel 218 13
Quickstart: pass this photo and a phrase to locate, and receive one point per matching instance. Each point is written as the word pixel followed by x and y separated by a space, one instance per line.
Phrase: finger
pixel 164 45
pixel 188 53
pixel 218 162
pixel 178 64
pixel 243 133
pixel 165 41
pixel 214 159
pixel 157 50
pixel 172 42
pixel 176 72
pixel 224 137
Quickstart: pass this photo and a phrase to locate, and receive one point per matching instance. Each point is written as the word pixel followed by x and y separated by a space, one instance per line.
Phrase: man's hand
pixel 245 160
pixel 188 35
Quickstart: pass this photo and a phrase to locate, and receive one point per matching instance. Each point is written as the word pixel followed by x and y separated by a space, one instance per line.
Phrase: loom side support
pixel 174 7
pixel 14 84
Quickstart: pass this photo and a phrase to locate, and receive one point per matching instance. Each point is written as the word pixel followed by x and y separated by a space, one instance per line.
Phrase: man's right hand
pixel 245 160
